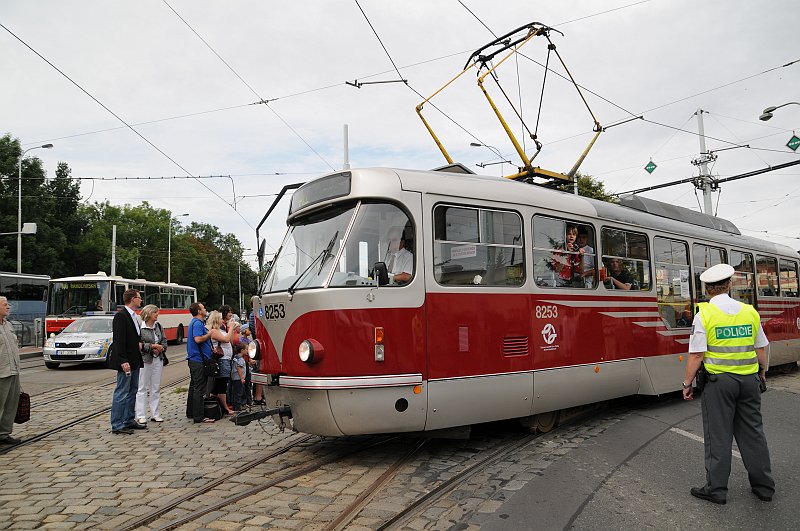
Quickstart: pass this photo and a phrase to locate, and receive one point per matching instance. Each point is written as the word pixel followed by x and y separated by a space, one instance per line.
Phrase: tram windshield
pixel 315 248
pixel 79 297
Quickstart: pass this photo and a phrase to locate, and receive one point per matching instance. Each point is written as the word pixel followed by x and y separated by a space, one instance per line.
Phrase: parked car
pixel 85 340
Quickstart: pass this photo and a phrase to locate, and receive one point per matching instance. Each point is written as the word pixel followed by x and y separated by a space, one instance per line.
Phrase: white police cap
pixel 717 273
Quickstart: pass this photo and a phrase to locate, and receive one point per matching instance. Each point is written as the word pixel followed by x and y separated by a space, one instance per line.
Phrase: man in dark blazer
pixel 126 359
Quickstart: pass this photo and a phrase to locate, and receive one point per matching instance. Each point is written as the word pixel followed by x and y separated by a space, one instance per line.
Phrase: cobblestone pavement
pixel 77 478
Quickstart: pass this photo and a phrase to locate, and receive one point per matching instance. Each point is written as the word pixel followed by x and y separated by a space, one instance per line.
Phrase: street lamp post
pixel 169 246
pixel 496 151
pixel 767 114
pixel 19 209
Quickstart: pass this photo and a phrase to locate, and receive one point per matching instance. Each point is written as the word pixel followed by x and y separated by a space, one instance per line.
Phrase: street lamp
pixel 495 151
pixel 767 114
pixel 169 246
pixel 19 209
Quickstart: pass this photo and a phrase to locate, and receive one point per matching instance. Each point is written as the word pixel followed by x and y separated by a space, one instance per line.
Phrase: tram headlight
pixel 310 351
pixel 252 350
pixel 51 342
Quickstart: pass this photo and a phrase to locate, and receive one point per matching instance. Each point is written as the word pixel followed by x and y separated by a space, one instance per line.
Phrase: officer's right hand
pixel 688 393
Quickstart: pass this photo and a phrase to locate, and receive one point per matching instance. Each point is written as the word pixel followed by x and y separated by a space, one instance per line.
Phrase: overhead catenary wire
pixel 115 115
pixel 261 99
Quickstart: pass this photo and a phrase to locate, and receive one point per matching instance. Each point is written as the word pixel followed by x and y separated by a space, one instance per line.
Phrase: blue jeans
pixel 123 405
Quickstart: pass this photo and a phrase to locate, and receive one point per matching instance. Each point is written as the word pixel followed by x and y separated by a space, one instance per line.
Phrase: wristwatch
pixel 686 386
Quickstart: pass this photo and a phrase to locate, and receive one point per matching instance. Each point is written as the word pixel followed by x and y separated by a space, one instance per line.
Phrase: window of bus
pixel 703 257
pixel 673 286
pixel 788 278
pixel 78 297
pixel 626 260
pixel 767 276
pixel 563 253
pixel 167 300
pixel 381 232
pixel 151 295
pixel 743 280
pixel 477 247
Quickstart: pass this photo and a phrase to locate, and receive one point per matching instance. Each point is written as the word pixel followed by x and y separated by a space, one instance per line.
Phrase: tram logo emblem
pixel 549 333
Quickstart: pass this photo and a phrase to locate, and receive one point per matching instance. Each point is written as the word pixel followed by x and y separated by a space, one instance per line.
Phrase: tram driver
pixel 401 261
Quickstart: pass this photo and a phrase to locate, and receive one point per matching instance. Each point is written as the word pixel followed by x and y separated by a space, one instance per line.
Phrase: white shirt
pixel 135 320
pixel 697 343
pixel 403 262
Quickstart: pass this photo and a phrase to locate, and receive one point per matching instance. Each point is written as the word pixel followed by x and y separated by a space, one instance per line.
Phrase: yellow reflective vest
pixel 731 339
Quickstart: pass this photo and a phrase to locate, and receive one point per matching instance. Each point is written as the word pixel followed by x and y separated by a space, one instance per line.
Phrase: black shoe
pixel 702 493
pixel 761 496
pixel 8 439
pixel 125 431
pixel 136 426
pixel 260 402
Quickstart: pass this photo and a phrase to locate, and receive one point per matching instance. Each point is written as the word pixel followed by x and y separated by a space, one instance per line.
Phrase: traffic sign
pixel 793 143
pixel 651 166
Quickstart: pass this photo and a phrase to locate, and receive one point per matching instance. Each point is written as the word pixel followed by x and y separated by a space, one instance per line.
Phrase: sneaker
pixel 157 419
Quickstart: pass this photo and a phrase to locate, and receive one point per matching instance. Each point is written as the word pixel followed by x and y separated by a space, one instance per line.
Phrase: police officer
pixel 728 340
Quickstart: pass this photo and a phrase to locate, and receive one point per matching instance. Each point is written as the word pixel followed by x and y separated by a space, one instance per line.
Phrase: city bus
pixel 97 293
pixel 27 295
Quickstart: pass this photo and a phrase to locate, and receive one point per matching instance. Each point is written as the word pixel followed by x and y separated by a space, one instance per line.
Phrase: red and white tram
pixel 490 326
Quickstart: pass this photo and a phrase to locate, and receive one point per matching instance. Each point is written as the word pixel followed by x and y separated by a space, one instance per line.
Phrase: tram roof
pixel 102 276
pixel 635 211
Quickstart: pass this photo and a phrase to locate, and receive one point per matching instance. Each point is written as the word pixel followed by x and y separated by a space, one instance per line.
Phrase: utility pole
pixel 705 182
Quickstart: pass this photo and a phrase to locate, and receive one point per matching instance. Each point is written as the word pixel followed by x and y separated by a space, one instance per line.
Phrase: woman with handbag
pixel 154 355
pixel 221 337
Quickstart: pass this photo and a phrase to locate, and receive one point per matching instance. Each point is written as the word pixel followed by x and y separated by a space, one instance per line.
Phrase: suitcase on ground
pixel 212 408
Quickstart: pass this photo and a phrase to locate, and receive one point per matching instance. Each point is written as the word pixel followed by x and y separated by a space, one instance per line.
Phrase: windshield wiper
pixel 322 257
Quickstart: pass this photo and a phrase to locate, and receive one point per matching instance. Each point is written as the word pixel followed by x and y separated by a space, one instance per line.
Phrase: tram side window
pixel 743 281
pixel 166 298
pixel 767 276
pixel 477 247
pixel 703 257
pixel 151 295
pixel 626 260
pixel 673 286
pixel 788 278
pixel 563 253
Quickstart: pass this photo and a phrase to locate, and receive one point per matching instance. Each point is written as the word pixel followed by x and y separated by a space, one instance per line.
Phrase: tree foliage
pixel 74 237
pixel 588 186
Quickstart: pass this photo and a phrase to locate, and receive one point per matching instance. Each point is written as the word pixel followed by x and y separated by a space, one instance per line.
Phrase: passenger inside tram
pixel 617 276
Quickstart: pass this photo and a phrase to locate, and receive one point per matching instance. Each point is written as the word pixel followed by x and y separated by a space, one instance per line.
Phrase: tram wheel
pixel 546 421
pixel 51 365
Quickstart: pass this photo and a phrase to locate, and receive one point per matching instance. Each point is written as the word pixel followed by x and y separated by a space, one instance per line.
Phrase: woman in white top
pixel 154 355
pixel 221 335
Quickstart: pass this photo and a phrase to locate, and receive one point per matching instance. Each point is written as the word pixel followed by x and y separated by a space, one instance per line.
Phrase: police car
pixel 87 339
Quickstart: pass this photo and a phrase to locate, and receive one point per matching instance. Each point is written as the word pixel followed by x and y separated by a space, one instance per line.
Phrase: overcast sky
pixel 186 74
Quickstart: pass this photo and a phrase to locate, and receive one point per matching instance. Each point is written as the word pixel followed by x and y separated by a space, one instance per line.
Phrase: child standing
pixel 238 377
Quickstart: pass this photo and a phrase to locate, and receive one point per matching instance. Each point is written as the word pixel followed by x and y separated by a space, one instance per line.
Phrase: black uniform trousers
pixel 197 391
pixel 732 409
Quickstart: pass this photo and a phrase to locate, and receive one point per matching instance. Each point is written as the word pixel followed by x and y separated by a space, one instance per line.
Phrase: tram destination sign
pixel 793 143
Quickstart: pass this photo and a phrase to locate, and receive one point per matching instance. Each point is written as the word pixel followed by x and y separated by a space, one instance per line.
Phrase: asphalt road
pixel 637 475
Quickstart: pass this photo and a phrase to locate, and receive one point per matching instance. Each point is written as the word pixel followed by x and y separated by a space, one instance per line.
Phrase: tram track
pixel 290 473
pixel 74 422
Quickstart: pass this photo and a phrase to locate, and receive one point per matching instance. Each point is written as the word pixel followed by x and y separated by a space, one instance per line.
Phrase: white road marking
pixel 698 439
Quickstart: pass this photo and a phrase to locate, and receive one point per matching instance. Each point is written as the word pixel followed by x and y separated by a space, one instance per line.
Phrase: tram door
pixel 479 362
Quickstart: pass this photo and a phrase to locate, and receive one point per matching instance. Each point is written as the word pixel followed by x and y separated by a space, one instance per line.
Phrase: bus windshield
pixel 314 247
pixel 79 297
